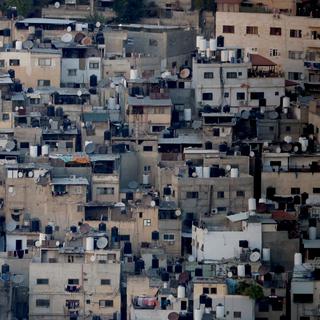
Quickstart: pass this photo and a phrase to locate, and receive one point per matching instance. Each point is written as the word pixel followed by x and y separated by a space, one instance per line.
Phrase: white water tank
pixel 312 233
pixel 187 114
pixel 234 173
pixel 232 55
pixel 199 172
pixel 297 259
pixel 78 27
pixel 252 205
pixel 145 179
pixel 262 200
pixel 286 102
pixel 18 45
pixel 33 150
pixel 181 292
pixel 89 243
pixel 266 254
pixel 213 44
pixel 203 45
pixel 304 143
pixel 199 38
pixel 206 172
pixel 287 139
pixel 134 74
pixel 208 53
pixel 45 150
pixel 224 56
pixel 241 270
pixel 220 311
pixel 197 314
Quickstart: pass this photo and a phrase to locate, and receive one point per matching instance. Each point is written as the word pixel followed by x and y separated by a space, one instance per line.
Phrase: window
pixel 295 55
pixel 44 83
pixel 303 298
pixel 295 33
pixel 44 62
pixel 208 75
pixel 69 145
pixel 232 75
pixel 14 62
pixel 1 63
pixel 153 42
pixel 252 30
pixel 147 148
pixel 105 191
pixel 288 129
pixel 274 52
pixel 271 129
pixel 147 222
pixel 34 100
pixel 45 303
pixel 5 117
pixel 275 163
pixel 226 95
pixel 256 95
pixel 192 195
pixel 205 290
pixel 276 93
pixel 228 29
pixel 213 290
pixel 105 282
pixel 147 168
pixel 24 145
pixel 124 237
pixel 220 194
pixel 158 128
pixel 73 281
pixel 275 31
pixel 207 96
pixel 183 305
pixel 105 303
pixel 316 190
pixel 241 96
pixel 42 281
pixel 240 193
pixel 237 315
pixel 93 65
pixel 72 72
pixel 294 75
pixel 295 190
pixel 168 237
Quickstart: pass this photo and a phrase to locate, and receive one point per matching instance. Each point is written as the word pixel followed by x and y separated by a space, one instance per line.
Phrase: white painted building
pixel 224 244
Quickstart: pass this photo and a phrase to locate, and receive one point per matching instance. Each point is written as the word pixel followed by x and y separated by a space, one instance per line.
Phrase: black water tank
pixel 5 268
pixel 223 147
pixel 102 226
pixel 165 277
pixel 247 268
pixel 167 191
pixel 316 274
pixel 243 244
pixel 262 102
pixel 48 229
pixel 6 32
pixel 312 222
pixel 11 13
pixel 107 135
pixel 198 272
pixel 59 112
pixel 93 80
pixel 271 191
pixel 214 172
pixel 17 87
pixel 208 303
pixel 127 249
pixel 155 235
pixel 220 41
pixel 38 33
pixel 178 268
pixel 11 73
pixel 35 225
pixel 203 299
pixel 169 268
pixel 155 263
pixel 125 132
pixel 73 229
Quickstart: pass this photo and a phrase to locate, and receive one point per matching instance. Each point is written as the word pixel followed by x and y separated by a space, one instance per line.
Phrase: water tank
pixel 6 32
pixel 234 173
pixel 178 268
pixel 89 243
pixel 220 41
pixel 287 139
pixel 33 150
pixel 199 172
pixel 127 249
pixel 197 314
pixel 312 233
pixel 145 179
pixel 213 44
pixel 241 270
pixel 165 277
pixel 252 205
pixel 18 45
pixel 187 114
pixel 297 259
pixel 198 40
pixel 198 272
pixel 206 172
pixel 102 227
pixel 202 299
pixel 48 229
pixel 224 56
pixel 155 263
pixel 50 111
pixel 5 268
pixel 35 225
pixel 134 74
pixel 73 229
pixel 78 27
pixel 266 254
pixel 203 45
pixel 219 311
pixel 45 150
pixel 181 292
pixel 155 235
pixel 231 55
pixel 286 102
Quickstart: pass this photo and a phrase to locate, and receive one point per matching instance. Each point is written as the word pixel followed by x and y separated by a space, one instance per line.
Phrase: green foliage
pixel 24 7
pixel 204 4
pixel 252 290
pixel 129 10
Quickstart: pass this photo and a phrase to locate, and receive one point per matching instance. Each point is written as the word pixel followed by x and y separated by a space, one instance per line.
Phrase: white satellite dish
pixel 152 204
pixel 252 154
pixel 228 167
pixel 230 274
pixel 191 258
pixel 57 243
pixel 98 24
pixel 10 189
pixel 93 258
pixel 178 212
pixel 119 205
pixel 57 5
pixel 102 242
pixel 254 256
pixel 11 226
pixel 37 244
pixel 67 37
pixel 69 29
pixel 18 278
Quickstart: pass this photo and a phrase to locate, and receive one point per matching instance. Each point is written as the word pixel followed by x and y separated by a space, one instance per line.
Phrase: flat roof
pixel 147 101
pixel 70 181
pixel 181 139
pixel 311 244
pixel 46 21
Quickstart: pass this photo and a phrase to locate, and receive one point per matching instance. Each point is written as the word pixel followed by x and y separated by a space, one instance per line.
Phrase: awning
pixel 289 83
pixel 258 60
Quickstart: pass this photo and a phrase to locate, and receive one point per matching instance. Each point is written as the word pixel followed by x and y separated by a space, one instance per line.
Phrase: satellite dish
pixel 173 316
pixel 86 41
pixel 18 278
pixel 93 258
pixel 10 146
pixel 85 228
pixel 20 174
pixel 57 243
pixel 11 226
pixel 230 274
pixel 178 212
pixel 185 73
pixel 117 106
pixel 255 256
pixel 69 29
pixel 133 185
pixel 102 242
pixel 30 174
pixel 228 167
pixel 194 174
pixel 120 205
pixel 67 37
pixel 27 45
pixel 57 5
pixel 245 115
pixel 98 24
pixel 10 189
pixel 191 258
pixel 89 148
pixel 78 37
pixel 252 154
pixel 37 244
pixel 152 204
pixel 273 115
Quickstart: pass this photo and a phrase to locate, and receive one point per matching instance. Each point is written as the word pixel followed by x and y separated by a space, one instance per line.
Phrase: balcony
pixel 72 288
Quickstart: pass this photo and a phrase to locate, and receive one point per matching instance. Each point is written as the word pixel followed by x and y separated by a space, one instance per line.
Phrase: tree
pixel 128 10
pixel 24 7
pixel 252 290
